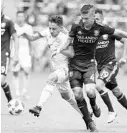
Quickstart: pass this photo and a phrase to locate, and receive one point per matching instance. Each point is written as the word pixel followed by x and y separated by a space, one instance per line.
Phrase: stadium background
pixel 58 116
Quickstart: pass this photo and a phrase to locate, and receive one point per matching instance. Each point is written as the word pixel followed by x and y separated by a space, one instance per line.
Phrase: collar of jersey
pixel 82 25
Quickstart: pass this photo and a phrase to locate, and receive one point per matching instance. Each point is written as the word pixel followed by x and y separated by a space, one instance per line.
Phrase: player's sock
pixel 45 94
pixel 16 85
pixel 7 91
pixel 106 99
pixel 73 103
pixel 92 101
pixel 122 100
pixel 84 109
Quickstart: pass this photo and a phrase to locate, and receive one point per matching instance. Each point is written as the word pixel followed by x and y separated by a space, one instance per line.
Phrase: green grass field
pixel 58 116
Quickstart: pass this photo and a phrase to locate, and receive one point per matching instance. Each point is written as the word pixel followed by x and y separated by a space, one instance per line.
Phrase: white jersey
pixel 58 60
pixel 23 42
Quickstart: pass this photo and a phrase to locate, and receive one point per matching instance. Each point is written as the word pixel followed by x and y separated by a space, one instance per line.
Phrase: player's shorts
pixel 24 62
pixel 77 78
pixel 4 62
pixel 111 84
pixel 108 72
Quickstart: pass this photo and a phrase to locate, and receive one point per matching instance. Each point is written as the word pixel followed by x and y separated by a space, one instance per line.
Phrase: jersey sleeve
pixel 107 30
pixel 117 37
pixel 11 27
pixel 72 32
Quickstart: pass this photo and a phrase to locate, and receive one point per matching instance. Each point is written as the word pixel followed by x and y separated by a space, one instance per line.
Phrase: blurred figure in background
pixel 24 63
pixel 40 52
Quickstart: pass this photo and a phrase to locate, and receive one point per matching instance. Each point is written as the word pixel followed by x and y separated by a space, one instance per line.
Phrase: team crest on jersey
pixel 96 32
pixel 79 32
pixel 3 25
pixel 105 37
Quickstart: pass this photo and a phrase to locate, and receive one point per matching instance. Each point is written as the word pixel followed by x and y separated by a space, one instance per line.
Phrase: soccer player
pixel 84 37
pixel 56 37
pixel 108 68
pixel 24 63
pixel 7 31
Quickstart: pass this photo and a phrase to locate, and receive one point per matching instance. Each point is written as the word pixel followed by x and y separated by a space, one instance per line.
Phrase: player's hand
pixel 122 61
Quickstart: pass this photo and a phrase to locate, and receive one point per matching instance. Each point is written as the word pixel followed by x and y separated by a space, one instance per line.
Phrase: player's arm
pixel 68 42
pixel 71 36
pixel 16 44
pixel 69 51
pixel 120 33
pixel 111 31
pixel 32 37
pixel 123 59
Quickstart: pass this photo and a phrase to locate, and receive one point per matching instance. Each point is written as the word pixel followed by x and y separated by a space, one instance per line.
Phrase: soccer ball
pixel 15 107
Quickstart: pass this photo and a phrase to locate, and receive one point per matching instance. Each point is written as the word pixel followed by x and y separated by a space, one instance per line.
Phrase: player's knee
pixel 15 74
pixel 99 85
pixel 90 90
pixel 52 79
pixel 3 79
pixel 116 92
pixel 78 93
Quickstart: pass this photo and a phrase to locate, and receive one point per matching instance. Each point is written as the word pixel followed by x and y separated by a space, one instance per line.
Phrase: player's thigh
pixel 75 78
pixel 108 72
pixel 3 79
pixel 4 63
pixel 76 83
pixel 65 90
pixel 62 75
pixel 100 85
pixel 89 77
pixel 52 78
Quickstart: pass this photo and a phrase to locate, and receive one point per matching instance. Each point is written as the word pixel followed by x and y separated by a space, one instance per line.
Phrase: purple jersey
pixel 7 29
pixel 85 42
pixel 105 50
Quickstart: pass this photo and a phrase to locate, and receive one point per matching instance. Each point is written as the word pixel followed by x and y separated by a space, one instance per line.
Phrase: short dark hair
pixel 97 10
pixel 18 12
pixel 56 19
pixel 85 8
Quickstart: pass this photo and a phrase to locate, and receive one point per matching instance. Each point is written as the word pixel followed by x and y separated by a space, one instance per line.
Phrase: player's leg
pixel 6 88
pixel 104 76
pixel 76 83
pixel 45 94
pixel 4 69
pixel 63 86
pixel 15 78
pixel 113 86
pixel 25 62
pixel 25 76
pixel 67 95
pixel 89 81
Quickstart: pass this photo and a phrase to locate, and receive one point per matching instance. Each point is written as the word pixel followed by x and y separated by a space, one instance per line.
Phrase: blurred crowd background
pixel 38 11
